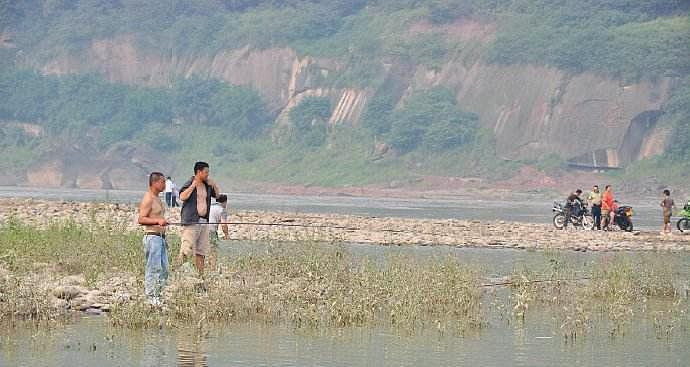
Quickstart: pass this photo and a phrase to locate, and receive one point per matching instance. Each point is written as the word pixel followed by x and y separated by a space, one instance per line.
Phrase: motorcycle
pixel 683 223
pixel 581 220
pixel 623 218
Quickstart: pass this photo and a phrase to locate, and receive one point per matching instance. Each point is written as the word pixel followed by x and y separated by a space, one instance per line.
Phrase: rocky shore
pixel 75 293
pixel 284 226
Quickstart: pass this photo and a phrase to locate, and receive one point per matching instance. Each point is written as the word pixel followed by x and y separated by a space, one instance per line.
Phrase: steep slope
pixel 533 110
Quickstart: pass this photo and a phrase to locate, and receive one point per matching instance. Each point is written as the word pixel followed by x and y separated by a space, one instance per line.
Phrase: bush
pixel 677 111
pixel 376 117
pixel 214 103
pixel 626 39
pixel 431 119
pixel 116 131
pixel 309 120
pixel 551 163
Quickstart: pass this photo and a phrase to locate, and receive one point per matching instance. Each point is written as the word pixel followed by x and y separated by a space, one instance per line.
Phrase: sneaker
pixel 187 268
pixel 155 302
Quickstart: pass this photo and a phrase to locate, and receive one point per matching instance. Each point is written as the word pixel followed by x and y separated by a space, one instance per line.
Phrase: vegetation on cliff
pixel 630 39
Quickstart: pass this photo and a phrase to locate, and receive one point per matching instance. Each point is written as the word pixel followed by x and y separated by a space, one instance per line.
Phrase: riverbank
pixel 46 274
pixel 286 226
pixel 59 260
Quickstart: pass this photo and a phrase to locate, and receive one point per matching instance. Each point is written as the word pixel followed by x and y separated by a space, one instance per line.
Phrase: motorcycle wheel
pixel 587 222
pixel 558 221
pixel 626 224
pixel 683 224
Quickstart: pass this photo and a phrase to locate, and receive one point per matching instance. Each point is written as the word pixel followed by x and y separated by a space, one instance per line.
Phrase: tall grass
pixel 318 286
pixel 92 249
pixel 321 285
pixel 611 293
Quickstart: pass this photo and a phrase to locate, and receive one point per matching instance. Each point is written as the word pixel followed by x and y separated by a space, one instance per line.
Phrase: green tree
pixel 677 111
pixel 240 109
pixel 309 120
pixel 376 117
pixel 433 120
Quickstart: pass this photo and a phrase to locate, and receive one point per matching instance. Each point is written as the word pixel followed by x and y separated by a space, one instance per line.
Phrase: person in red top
pixel 607 207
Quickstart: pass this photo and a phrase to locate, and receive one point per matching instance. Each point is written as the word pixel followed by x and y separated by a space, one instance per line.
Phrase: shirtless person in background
pixel 152 217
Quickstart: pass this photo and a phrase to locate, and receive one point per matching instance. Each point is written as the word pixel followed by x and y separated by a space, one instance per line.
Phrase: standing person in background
pixel 594 199
pixel 607 207
pixel 667 205
pixel 152 217
pixel 196 195
pixel 169 189
pixel 217 214
pixel 175 196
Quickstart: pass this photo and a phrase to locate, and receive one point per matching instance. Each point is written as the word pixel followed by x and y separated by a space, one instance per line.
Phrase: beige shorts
pixel 195 238
pixel 667 216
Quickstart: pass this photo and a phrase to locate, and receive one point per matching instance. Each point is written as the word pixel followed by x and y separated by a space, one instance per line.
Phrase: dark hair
pixel 222 198
pixel 607 187
pixel 199 166
pixel 578 191
pixel 667 192
pixel 597 186
pixel 155 176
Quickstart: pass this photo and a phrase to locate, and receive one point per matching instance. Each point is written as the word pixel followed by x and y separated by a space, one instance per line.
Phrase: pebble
pixel 66 292
pixel 364 229
pixel 93 311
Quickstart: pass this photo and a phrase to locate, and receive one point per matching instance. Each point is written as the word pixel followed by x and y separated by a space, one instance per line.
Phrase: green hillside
pixel 231 126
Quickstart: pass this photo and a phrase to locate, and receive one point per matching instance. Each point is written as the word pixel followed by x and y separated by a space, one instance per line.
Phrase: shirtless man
pixel 152 217
pixel 196 195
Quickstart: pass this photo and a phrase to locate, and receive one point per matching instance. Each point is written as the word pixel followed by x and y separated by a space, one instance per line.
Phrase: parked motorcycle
pixel 623 218
pixel 683 223
pixel 581 220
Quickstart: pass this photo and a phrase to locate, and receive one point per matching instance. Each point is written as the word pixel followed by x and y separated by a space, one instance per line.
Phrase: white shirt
pixel 215 215
pixel 169 185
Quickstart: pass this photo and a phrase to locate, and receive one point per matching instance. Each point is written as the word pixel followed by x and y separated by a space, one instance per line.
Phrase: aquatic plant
pixel 315 285
pixel 611 292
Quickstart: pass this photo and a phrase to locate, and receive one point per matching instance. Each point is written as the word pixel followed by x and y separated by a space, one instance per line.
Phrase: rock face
pixel 122 166
pixel 588 119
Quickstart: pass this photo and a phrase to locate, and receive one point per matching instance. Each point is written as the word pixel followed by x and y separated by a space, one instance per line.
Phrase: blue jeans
pixel 596 215
pixel 156 273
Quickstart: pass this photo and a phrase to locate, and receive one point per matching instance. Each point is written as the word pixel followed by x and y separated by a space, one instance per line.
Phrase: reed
pixel 314 286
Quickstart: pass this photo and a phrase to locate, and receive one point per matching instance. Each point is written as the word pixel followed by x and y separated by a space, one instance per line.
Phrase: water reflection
pixel 191 351
pixel 532 344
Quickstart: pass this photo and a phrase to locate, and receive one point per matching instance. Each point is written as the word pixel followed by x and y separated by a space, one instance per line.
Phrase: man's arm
pixel 145 212
pixel 215 189
pixel 187 191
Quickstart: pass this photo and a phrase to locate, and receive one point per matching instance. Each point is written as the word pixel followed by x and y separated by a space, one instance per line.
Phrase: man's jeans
pixel 596 215
pixel 156 273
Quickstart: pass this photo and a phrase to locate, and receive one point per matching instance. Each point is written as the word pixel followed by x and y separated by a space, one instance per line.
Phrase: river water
pixel 90 341
pixel 539 341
